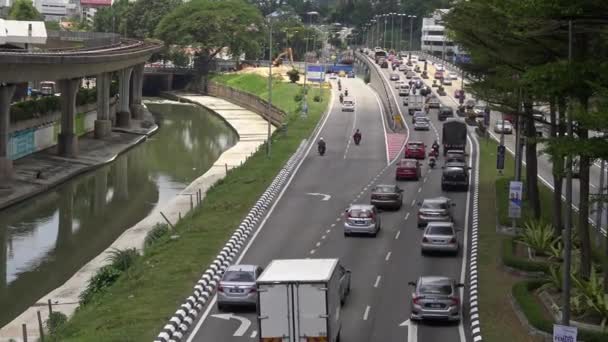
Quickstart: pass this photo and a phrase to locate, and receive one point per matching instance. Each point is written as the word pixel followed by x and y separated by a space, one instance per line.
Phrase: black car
pixel 445 112
pixel 455 176
pixel 387 196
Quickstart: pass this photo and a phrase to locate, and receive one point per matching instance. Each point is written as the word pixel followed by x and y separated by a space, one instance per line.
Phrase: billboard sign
pixel 315 73
pixel 515 196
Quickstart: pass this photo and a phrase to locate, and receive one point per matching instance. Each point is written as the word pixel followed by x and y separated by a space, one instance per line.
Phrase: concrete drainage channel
pixel 183 318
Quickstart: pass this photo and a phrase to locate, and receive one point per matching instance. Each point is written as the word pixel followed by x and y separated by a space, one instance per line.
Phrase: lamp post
pixel 269 133
pixel 401 15
pixel 384 34
pixel 309 14
pixel 393 31
pixel 412 17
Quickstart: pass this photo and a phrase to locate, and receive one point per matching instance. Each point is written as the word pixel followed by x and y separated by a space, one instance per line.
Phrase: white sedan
pixel 503 126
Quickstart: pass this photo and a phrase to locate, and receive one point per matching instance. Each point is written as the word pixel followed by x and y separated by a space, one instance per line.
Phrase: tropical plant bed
pixel 541 318
pixel 552 301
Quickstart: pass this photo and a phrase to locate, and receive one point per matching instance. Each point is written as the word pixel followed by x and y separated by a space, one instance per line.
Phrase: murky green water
pixel 45 240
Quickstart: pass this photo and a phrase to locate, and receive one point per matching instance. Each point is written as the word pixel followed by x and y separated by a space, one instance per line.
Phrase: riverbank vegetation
pixel 142 299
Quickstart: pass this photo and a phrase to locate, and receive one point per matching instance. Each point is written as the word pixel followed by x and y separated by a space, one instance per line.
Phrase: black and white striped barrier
pixel 473 273
pixel 183 318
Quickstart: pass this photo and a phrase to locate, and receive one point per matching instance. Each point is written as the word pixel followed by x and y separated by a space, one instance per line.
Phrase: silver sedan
pixel 503 126
pixel 435 297
pixel 439 237
pixel 237 286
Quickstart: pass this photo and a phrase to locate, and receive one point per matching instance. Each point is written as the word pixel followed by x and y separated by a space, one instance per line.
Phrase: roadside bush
pixel 55 321
pixel 523 292
pixel 298 97
pixel 539 236
pixel 510 260
pixel 122 259
pixel 294 75
pixel 158 232
pixel 593 294
pixel 104 277
pixel 317 98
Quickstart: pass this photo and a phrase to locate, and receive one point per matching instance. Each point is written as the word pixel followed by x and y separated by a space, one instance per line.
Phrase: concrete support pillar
pixel 169 84
pixel 66 216
pixel 123 115
pixel 68 140
pixel 103 124
pixel 3 258
pixel 6 164
pixel 101 190
pixel 137 109
pixel 122 177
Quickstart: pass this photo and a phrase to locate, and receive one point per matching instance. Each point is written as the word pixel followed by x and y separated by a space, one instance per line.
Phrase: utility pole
pixel 599 209
pixel 568 224
pixel 401 15
pixel 412 17
pixel 268 142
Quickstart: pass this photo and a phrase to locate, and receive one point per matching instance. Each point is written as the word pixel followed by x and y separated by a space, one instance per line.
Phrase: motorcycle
pixel 346 92
pixel 357 138
pixel 434 154
pixel 432 162
pixel 321 150
pixel 341 98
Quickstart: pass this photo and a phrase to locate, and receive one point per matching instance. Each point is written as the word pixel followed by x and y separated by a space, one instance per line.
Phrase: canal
pixel 46 239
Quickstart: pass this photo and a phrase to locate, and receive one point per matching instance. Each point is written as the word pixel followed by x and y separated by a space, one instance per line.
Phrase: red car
pixel 458 93
pixel 408 169
pixel 439 74
pixel 416 150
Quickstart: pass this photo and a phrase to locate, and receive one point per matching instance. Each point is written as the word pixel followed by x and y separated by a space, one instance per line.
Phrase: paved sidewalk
pixel 251 129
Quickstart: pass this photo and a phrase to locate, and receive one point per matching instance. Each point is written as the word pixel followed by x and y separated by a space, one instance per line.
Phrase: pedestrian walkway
pixel 394 143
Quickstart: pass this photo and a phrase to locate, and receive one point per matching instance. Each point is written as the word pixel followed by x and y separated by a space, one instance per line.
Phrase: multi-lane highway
pixel 300 225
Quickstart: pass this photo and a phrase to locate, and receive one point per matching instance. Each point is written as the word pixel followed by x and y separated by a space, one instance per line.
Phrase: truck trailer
pixel 454 136
pixel 299 300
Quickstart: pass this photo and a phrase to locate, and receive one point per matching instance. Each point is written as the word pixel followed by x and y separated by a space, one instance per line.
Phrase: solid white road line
pixel 366 313
pixel 211 303
pixel 388 162
pixel 377 281
pixel 412 332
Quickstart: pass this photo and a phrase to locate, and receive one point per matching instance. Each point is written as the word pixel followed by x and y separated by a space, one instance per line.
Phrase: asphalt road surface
pixel 302 226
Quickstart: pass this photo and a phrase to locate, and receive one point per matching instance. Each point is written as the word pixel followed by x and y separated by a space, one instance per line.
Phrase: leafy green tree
pixel 144 15
pixel 210 27
pixel 23 10
pixel 113 18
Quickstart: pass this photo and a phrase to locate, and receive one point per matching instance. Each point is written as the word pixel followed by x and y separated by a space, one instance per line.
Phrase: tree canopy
pixel 24 10
pixel 144 15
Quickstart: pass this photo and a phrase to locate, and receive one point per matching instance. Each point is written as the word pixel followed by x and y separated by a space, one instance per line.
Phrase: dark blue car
pixel 351 74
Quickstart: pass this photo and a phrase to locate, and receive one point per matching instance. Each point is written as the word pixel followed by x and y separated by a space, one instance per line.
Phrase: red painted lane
pixel 394 143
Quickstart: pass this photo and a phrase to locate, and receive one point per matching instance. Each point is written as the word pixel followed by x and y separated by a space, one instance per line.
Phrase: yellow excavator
pixel 279 60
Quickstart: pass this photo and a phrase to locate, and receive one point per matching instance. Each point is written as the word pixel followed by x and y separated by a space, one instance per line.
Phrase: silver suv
pixel 438 209
pixel 362 219
pixel 435 297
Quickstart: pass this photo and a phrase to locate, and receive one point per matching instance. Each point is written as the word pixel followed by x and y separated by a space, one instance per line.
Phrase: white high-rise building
pixel 434 40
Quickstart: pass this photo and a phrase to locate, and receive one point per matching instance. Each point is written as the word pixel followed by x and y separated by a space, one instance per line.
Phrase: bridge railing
pixel 90 39
pixel 247 100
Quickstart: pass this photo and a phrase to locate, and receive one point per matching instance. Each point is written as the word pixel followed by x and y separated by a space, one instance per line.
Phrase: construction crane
pixel 279 60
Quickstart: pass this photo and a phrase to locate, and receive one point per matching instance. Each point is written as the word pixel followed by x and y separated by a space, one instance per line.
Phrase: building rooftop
pixel 22 32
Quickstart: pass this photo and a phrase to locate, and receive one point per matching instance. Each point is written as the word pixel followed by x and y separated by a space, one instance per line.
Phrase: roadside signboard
pixel 304 109
pixel 515 193
pixel 564 333
pixel 500 157
pixel 315 73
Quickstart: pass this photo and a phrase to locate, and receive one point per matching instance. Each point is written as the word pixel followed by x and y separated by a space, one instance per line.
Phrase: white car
pixel 398 84
pixel 439 66
pixel 402 67
pixel 348 105
pixel 503 126
pixel 333 76
pixel 404 90
pixel 453 76
pixel 414 59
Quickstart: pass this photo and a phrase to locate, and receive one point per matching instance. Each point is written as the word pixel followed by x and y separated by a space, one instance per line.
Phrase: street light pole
pixel 401 15
pixel 268 142
pixel 384 34
pixel 412 17
pixel 568 224
pixel 393 31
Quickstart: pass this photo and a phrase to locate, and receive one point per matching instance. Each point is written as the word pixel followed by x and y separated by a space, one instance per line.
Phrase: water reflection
pixel 43 241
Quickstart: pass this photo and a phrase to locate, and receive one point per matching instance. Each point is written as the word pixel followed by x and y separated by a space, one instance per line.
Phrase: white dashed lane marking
pixel 377 281
pixel 388 256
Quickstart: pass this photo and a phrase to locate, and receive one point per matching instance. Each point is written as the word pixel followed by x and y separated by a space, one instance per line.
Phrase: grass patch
pixel 142 300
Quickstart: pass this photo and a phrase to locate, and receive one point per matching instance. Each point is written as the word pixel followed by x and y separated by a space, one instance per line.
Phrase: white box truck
pixel 415 103
pixel 299 300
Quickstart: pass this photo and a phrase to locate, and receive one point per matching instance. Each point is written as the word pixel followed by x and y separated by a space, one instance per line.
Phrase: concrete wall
pixel 30 136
